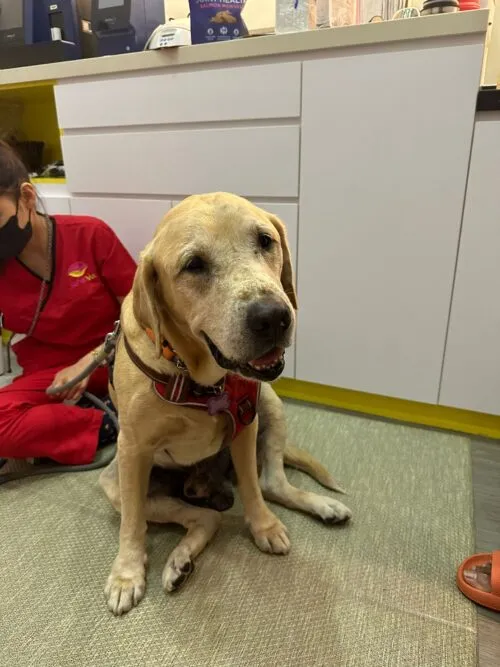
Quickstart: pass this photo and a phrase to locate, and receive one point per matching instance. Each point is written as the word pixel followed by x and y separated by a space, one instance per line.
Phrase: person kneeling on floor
pixel 62 280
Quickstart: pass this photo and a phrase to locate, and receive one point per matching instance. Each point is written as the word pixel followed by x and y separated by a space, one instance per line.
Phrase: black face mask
pixel 14 239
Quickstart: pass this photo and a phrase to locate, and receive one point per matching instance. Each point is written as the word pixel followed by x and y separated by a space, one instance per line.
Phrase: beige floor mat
pixel 377 593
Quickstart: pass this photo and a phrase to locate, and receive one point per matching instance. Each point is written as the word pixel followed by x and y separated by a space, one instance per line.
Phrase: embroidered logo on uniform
pixel 78 271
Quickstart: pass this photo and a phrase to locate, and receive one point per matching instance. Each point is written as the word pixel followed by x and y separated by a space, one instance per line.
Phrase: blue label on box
pixel 216 21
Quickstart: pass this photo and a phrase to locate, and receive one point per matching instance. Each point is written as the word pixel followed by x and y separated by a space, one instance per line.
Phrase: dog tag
pixel 219 403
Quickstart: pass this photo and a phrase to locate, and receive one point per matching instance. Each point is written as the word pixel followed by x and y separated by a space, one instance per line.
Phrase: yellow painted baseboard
pixel 49 181
pixel 437 416
pixel 27 84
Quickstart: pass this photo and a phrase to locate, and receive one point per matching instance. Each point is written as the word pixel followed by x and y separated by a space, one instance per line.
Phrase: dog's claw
pixel 124 591
pixel 273 538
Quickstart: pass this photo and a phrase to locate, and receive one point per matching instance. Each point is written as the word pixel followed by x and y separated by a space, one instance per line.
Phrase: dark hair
pixel 13 172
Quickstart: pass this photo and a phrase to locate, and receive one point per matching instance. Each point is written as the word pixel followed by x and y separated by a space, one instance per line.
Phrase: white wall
pixel 491 66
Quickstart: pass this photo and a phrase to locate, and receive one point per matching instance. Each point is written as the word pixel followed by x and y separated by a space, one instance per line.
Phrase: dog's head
pixel 217 282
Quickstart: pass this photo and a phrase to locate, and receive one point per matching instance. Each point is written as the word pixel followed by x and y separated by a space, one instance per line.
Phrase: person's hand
pixel 66 375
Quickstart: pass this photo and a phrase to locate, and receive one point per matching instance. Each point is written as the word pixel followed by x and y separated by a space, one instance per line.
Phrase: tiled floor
pixel 486 482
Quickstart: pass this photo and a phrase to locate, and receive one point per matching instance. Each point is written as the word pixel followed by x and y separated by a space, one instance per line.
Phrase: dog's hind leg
pixel 274 483
pixel 201 525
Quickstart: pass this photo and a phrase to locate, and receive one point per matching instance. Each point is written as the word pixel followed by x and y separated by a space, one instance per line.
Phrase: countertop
pixel 428 27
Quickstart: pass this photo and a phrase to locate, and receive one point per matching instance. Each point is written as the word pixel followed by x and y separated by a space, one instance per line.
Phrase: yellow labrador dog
pixel 213 303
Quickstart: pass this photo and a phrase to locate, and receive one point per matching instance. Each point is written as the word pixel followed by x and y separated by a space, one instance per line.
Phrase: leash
pixel 104 357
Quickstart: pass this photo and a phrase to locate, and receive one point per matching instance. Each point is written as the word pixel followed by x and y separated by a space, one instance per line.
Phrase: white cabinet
pixel 252 161
pixel 157 98
pixel 172 133
pixel 385 146
pixel 471 374
pixel 56 205
pixel 133 220
pixel 54 198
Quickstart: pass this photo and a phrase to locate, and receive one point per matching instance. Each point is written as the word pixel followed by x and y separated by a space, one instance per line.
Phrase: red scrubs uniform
pixel 91 271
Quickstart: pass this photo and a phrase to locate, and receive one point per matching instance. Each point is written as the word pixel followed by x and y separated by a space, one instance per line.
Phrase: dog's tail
pixel 298 458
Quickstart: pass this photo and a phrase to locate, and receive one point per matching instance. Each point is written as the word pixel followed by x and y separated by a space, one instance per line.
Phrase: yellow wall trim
pixel 49 181
pixel 450 419
pixel 27 84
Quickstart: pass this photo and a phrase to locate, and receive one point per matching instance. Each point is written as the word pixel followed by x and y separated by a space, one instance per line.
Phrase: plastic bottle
pixel 293 15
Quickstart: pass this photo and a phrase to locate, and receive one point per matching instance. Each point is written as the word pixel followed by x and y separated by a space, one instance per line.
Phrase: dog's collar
pixel 167 350
pixel 175 387
pixel 235 396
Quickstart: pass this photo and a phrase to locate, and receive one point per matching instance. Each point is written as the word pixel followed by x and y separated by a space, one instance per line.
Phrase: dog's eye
pixel 195 265
pixel 265 241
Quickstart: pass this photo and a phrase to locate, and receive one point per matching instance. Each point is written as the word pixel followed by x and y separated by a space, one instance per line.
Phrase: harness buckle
pixel 179 364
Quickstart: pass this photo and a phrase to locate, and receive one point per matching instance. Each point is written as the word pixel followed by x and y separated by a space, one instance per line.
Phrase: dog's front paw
pixel 270 535
pixel 177 569
pixel 126 586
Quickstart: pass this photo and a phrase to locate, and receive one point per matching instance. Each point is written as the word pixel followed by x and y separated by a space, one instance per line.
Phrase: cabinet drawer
pixel 133 220
pixel 233 93
pixel 252 161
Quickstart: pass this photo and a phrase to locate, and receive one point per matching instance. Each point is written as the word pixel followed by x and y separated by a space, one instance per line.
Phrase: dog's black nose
pixel 268 319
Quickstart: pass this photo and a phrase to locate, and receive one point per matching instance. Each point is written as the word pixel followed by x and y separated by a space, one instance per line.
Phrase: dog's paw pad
pixel 177 570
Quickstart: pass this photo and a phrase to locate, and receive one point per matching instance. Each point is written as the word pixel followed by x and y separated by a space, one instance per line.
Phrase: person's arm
pixel 115 264
pixel 70 372
pixel 117 269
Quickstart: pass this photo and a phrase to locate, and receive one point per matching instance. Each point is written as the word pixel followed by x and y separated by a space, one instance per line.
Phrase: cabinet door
pixel 385 145
pixel 133 220
pixel 471 374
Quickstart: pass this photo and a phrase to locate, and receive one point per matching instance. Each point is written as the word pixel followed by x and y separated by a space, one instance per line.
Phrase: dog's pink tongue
pixel 270 358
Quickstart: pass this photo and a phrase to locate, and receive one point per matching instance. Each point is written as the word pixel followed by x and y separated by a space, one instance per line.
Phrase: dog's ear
pixel 287 277
pixel 146 298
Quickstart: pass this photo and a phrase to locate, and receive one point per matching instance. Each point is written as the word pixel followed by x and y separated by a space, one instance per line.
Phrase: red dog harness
pixel 234 395
pixel 237 397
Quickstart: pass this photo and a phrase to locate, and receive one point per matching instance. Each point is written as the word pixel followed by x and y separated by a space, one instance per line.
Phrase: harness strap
pixel 151 373
pixel 234 396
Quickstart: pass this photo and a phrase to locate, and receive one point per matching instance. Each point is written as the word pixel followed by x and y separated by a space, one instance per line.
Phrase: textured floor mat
pixel 377 593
